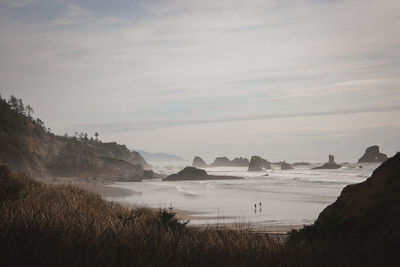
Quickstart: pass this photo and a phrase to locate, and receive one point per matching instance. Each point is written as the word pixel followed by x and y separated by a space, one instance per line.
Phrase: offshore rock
pixel 240 162
pixel 286 166
pixel 199 162
pixel 331 164
pixel 372 155
pixel 258 164
pixel 192 173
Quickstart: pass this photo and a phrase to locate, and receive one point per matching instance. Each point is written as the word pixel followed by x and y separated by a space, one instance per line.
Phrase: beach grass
pixel 63 225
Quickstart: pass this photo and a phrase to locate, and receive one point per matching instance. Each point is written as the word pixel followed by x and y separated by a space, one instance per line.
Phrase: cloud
pixel 132 125
pixel 168 64
pixel 18 3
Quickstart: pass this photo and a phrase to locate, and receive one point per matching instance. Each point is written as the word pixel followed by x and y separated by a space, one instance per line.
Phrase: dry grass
pixel 49 225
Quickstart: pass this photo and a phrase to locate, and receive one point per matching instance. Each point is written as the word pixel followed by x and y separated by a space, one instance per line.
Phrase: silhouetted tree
pixel 13 102
pixel 29 111
pixel 96 134
pixel 20 107
pixel 40 123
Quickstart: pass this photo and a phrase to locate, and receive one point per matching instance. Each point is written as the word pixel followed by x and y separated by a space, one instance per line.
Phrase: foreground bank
pixel 63 225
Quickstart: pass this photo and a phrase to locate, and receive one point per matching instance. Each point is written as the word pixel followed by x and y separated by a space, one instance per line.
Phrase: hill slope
pixel 28 146
pixel 149 156
pixel 365 217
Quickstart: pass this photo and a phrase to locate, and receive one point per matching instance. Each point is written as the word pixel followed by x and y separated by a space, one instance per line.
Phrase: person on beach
pixel 260 206
pixel 255 208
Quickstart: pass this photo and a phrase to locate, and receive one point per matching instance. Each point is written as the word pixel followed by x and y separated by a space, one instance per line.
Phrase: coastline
pixel 106 190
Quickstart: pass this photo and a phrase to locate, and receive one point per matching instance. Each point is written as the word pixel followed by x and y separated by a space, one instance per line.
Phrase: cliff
pixel 366 216
pixel 28 146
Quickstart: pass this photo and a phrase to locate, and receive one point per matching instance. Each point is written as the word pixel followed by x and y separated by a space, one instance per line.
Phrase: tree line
pixel 26 111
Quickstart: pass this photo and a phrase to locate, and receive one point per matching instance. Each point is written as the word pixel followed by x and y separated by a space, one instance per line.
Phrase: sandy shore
pixel 105 190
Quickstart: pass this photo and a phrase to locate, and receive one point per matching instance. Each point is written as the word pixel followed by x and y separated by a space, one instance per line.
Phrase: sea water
pixel 287 197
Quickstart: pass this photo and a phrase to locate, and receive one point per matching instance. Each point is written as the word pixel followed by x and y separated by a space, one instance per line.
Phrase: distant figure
pixel 255 208
pixel 260 206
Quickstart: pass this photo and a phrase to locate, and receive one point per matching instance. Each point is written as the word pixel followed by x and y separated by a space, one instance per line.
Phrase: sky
pixel 286 80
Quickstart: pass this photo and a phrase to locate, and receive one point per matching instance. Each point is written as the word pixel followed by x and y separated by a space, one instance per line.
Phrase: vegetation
pixel 27 145
pixel 62 225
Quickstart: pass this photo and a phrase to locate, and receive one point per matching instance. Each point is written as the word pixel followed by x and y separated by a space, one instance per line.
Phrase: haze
pixel 282 79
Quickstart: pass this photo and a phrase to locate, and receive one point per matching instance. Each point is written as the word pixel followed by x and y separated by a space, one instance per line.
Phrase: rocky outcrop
pixel 258 164
pixel 331 164
pixel 373 155
pixel 192 173
pixel 286 166
pixel 302 163
pixel 240 162
pixel 199 162
pixel 367 211
pixel 221 162
pixel 225 162
pixel 150 174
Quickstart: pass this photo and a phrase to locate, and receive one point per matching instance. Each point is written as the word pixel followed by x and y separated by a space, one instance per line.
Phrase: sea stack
pixel 221 162
pixel 199 162
pixel 240 162
pixel 373 155
pixel 258 164
pixel 286 166
pixel 331 164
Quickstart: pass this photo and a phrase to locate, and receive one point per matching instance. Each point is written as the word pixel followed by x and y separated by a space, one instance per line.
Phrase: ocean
pixel 287 197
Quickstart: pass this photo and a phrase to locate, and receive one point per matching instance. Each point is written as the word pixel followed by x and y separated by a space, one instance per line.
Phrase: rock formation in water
pixel 199 162
pixel 192 173
pixel 331 164
pixel 221 162
pixel 372 155
pixel 302 163
pixel 258 164
pixel 240 162
pixel 150 174
pixel 286 166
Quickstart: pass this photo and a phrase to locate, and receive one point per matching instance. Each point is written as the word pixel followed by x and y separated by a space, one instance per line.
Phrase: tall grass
pixel 48 225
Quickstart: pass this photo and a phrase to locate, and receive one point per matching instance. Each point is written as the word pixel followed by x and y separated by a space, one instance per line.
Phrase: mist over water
pixel 288 197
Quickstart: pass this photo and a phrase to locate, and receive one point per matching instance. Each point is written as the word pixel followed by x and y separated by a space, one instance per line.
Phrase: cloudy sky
pixel 283 79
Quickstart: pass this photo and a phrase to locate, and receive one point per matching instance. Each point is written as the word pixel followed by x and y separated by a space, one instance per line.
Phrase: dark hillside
pixel 366 216
pixel 28 146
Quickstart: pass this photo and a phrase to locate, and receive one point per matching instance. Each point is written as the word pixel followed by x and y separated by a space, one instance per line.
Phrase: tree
pixel 20 107
pixel 29 111
pixel 13 102
pixel 40 123
pixel 96 134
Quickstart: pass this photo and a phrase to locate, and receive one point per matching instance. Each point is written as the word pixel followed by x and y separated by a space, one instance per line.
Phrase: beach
pixel 289 199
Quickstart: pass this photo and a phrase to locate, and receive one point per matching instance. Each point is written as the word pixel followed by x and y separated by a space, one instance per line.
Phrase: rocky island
pixel 258 164
pixel 240 162
pixel 331 164
pixel 221 162
pixel 194 174
pixel 286 166
pixel 199 162
pixel 373 155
